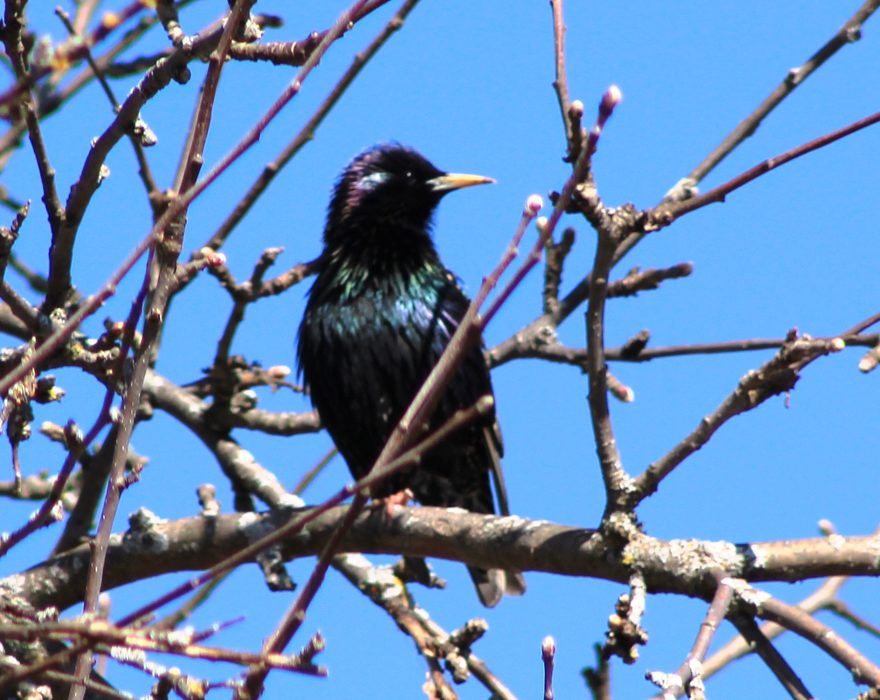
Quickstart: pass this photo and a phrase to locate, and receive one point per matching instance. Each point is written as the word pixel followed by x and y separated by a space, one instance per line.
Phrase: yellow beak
pixel 455 181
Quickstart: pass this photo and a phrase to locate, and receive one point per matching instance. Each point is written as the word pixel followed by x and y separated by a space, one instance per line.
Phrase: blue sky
pixel 469 85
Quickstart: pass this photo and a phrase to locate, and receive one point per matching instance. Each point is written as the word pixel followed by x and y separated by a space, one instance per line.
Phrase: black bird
pixel 379 315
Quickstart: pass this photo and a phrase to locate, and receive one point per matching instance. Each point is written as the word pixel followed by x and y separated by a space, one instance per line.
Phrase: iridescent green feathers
pixel 380 313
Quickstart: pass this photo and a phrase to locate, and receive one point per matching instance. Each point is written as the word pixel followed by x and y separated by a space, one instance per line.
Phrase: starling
pixel 379 315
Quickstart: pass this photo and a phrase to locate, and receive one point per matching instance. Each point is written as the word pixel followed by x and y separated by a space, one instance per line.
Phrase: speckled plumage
pixel 379 315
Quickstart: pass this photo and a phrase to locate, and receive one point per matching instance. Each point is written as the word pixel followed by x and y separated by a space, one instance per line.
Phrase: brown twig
pixel 70 51
pixel 541 348
pixel 822 598
pixel 776 376
pixel 13 41
pixel 689 676
pixel 847 34
pixel 80 193
pixel 242 295
pixel 307 132
pixel 556 253
pixel 90 178
pixel 805 625
pixel 312 473
pixel 784 673
pixel 598 679
pixel 581 291
pixel 166 253
pixel 20 307
pixel 240 467
pixel 614 476
pixel 44 514
pixel 94 479
pixel 57 99
pixel 139 135
pixel 666 213
pixel 573 135
pixel 104 635
pixel 637 280
pixel 9 235
pixel 37 487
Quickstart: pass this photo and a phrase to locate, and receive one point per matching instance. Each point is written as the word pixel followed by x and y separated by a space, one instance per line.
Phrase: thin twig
pixel 614 476
pixel 580 292
pixel 166 254
pixel 312 473
pixel 847 34
pixel 44 514
pixel 70 51
pixel 155 80
pixel 666 213
pixel 776 376
pixel 540 348
pixel 805 625
pixel 689 676
pixel 784 673
pixel 307 133
pixel 137 142
pixel 14 43
pixel 560 83
pixel 738 647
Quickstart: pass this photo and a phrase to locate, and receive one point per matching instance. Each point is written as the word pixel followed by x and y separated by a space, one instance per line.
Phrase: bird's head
pixel 390 187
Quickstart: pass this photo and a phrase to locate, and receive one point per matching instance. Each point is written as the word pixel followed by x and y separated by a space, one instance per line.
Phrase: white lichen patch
pixel 254 526
pixel 290 500
pixel 128 655
pixel 182 636
pixel 750 596
pixel 837 541
pixel 144 532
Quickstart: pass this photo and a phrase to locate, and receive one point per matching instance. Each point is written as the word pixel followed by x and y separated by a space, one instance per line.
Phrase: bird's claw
pixel 401 498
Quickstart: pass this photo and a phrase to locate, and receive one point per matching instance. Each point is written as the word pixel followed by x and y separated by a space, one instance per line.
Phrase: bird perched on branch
pixel 379 315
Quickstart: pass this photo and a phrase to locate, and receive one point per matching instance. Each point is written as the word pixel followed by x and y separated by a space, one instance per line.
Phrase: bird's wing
pixel 493 440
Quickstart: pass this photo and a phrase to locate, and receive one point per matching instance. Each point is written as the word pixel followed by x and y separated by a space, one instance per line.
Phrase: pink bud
pixel 611 98
pixel 534 204
pixel 278 371
pixel 212 257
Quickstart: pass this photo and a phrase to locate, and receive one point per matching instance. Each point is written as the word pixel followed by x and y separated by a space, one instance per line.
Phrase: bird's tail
pixel 492 584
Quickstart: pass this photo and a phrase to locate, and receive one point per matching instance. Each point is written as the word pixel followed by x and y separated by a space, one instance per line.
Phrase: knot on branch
pixel 625 633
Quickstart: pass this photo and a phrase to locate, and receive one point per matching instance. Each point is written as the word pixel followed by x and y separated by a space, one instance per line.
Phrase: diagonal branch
pixel 778 375
pixel 850 32
pixel 166 253
pixel 14 44
pixel 666 213
pixel 784 673
pixel 307 133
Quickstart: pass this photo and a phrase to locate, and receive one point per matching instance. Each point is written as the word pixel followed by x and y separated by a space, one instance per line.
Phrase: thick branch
pixel 673 566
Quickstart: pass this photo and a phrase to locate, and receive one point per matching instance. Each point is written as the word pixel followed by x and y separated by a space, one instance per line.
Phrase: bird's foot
pixel 401 498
